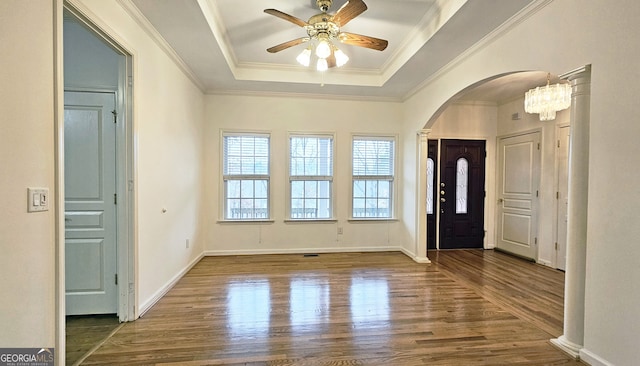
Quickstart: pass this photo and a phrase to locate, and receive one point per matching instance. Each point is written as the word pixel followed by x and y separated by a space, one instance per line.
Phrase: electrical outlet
pixel 339 230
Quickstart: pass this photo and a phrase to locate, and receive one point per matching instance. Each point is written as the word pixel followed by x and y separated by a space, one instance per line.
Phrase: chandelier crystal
pixel 547 100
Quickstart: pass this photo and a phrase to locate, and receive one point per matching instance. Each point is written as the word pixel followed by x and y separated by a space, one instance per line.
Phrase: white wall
pixel 279 116
pixel 560 37
pixel 548 186
pixel 168 124
pixel 474 121
pixel 27 240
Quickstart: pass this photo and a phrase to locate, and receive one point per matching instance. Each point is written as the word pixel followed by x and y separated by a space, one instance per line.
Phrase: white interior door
pixel 518 181
pixel 90 211
pixel 562 201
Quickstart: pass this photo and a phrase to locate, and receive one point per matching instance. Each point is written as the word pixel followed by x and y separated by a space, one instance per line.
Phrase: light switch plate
pixel 37 199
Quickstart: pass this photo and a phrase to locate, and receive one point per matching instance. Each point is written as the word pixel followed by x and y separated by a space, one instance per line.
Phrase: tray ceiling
pixel 222 43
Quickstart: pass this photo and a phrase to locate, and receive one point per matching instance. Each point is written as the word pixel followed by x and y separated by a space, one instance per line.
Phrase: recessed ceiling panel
pixel 223 42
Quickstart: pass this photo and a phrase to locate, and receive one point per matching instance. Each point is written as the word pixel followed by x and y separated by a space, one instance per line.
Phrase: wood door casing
pixel 462 228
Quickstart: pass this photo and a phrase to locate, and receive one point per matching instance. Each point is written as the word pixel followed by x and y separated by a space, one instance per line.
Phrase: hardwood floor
pixel 83 333
pixel 467 308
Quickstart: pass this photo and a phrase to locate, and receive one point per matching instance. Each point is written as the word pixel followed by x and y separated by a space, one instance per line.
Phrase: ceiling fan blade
pixel 348 11
pixel 363 41
pixel 331 60
pixel 284 46
pixel 287 17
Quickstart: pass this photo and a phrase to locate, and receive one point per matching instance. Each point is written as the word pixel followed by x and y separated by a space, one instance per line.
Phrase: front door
pixel 90 211
pixel 462 194
pixel 518 180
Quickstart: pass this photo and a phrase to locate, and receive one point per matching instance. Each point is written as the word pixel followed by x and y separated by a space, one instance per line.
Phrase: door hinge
pixel 115 198
pixel 115 116
pixel 557 195
pixel 558 143
pixel 537 194
pixel 116 278
pixel 130 81
pixel 535 241
pixel 556 245
pixel 538 146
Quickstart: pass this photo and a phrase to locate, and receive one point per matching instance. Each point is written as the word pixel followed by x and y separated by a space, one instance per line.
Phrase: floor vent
pixel 310 255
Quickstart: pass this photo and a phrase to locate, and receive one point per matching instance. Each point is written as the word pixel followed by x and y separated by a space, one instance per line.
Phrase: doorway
pixel 462 194
pixel 98 167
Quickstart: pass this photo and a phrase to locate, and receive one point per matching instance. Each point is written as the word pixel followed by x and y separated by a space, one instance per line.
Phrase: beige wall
pixel 168 125
pixel 280 116
pixel 27 244
pixel 171 159
pixel 560 37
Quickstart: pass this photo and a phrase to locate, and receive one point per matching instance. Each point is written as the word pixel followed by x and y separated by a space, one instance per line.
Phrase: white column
pixel 421 199
pixel 573 338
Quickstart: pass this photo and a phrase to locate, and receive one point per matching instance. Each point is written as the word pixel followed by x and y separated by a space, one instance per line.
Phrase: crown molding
pixel 144 23
pixel 214 20
pixel 475 103
pixel 504 28
pixel 443 10
pixel 353 98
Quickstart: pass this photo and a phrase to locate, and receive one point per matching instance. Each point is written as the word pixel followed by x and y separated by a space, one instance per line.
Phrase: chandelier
pixel 547 100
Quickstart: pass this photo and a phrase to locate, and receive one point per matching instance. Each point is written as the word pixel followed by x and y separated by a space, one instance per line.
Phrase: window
pixel 430 180
pixel 462 185
pixel 311 177
pixel 246 176
pixel 373 174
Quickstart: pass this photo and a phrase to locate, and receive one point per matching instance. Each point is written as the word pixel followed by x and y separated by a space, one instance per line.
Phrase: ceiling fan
pixel 322 29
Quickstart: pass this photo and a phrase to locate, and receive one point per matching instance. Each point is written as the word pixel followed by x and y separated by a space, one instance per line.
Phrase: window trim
pixel 332 181
pixel 221 179
pixel 392 178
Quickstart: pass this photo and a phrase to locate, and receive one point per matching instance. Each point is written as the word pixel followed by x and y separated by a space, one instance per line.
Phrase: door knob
pixel 442 193
pixel 500 200
pixel 442 199
pixel 442 185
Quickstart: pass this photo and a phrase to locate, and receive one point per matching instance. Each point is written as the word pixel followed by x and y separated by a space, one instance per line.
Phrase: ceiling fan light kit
pixel 324 28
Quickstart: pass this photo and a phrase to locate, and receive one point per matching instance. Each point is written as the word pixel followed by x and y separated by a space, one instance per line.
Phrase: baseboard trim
pixel 420 260
pixel 220 253
pixel 147 305
pixel 545 262
pixel 567 347
pixel 593 359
